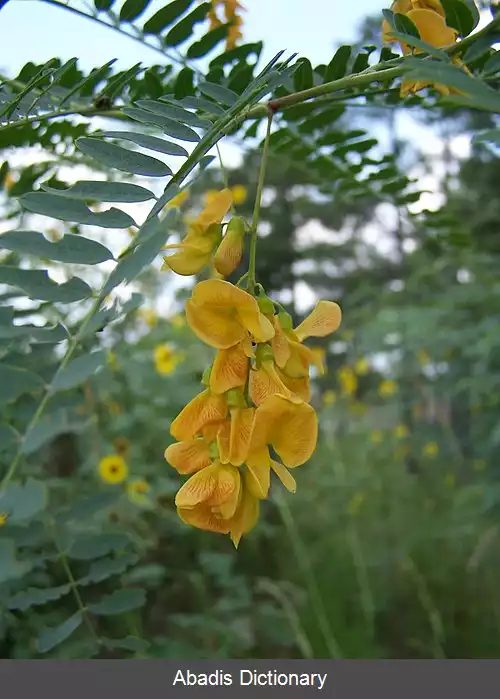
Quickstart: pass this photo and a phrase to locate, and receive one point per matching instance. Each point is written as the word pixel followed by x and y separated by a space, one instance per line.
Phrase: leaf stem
pixel 256 209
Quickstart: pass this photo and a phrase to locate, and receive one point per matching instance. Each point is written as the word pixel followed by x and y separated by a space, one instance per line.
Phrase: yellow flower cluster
pixel 205 243
pixel 231 16
pixel 256 396
pixel 429 18
pixel 113 470
pixel 167 359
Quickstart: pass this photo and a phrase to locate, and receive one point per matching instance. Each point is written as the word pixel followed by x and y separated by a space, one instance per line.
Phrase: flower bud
pixel 230 251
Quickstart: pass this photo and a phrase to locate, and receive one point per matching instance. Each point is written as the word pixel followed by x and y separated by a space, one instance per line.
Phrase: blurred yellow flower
pixel 423 357
pixel 376 437
pixel 131 232
pixel 401 431
pixel 138 490
pixel 178 321
pixel 348 380
pixel 112 359
pixel 362 367
pixel 3 518
pixel 114 407
pixel 329 397
pixel 166 359
pixel 355 503
pixel 113 469
pixel 431 449
pixel 479 464
pixel 358 408
pixel 149 316
pixel 179 199
pixel 122 446
pixel 9 181
pixel 210 196
pixel 239 194
pixel 450 480
pixel 387 388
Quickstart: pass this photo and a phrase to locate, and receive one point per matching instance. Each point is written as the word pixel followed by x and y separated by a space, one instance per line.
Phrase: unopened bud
pixel 205 379
pixel 230 251
pixel 235 398
pixel 285 320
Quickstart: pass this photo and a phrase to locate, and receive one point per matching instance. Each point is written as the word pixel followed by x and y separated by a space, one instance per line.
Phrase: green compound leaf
pixel 9 438
pixel 71 248
pixel 79 370
pixel 337 67
pixel 37 285
pixel 122 159
pixel 207 43
pixel 168 126
pixel 63 208
pixel 119 602
pixel 166 16
pixel 10 567
pixel 107 567
pixel 173 112
pixel 49 427
pixel 15 382
pixel 35 596
pixel 218 93
pixel 92 546
pixel 89 507
pixel 93 190
pixel 462 16
pixel 52 637
pixel 23 502
pixel 132 9
pixel 184 29
pixel 150 142
pixel 131 643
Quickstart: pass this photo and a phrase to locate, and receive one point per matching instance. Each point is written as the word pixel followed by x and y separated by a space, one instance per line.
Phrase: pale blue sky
pixel 31 30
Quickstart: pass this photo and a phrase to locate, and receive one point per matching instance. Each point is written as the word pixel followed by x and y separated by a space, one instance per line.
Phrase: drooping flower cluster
pixel 256 398
pixel 429 18
pixel 231 16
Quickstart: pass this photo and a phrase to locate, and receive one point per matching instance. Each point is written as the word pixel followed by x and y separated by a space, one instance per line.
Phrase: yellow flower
pixel 479 464
pixel 239 194
pixel 450 480
pixel 348 380
pixel 138 490
pixel 178 321
pixel 9 181
pixel 387 388
pixel 122 446
pixel 204 234
pixel 113 469
pixel 329 397
pixel 205 409
pixel 401 431
pixel 358 408
pixel 230 251
pixel 210 196
pixel 114 407
pixel 320 355
pixel 179 199
pixel 429 18
pixel 166 359
pixel 376 437
pixel 431 449
pixel 362 367
pixel 3 518
pixel 222 315
pixel 112 359
pixel 423 357
pixel 149 316
pixel 355 504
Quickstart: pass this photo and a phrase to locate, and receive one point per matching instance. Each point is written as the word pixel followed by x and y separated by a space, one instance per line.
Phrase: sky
pixel 38 31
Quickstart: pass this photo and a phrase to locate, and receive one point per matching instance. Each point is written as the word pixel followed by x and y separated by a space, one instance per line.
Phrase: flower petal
pixel 242 420
pixel 188 457
pixel 324 319
pixel 300 386
pixel 213 326
pixel 265 382
pixel 256 323
pixel 204 409
pixel 279 344
pixel 229 370
pixel 246 516
pixel 284 475
pixel 216 208
pixel 202 517
pixel 432 27
pixel 223 435
pixel 230 251
pixel 258 473
pixel 214 485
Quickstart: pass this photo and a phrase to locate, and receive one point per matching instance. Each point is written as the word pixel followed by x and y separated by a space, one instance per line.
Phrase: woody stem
pixel 256 208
